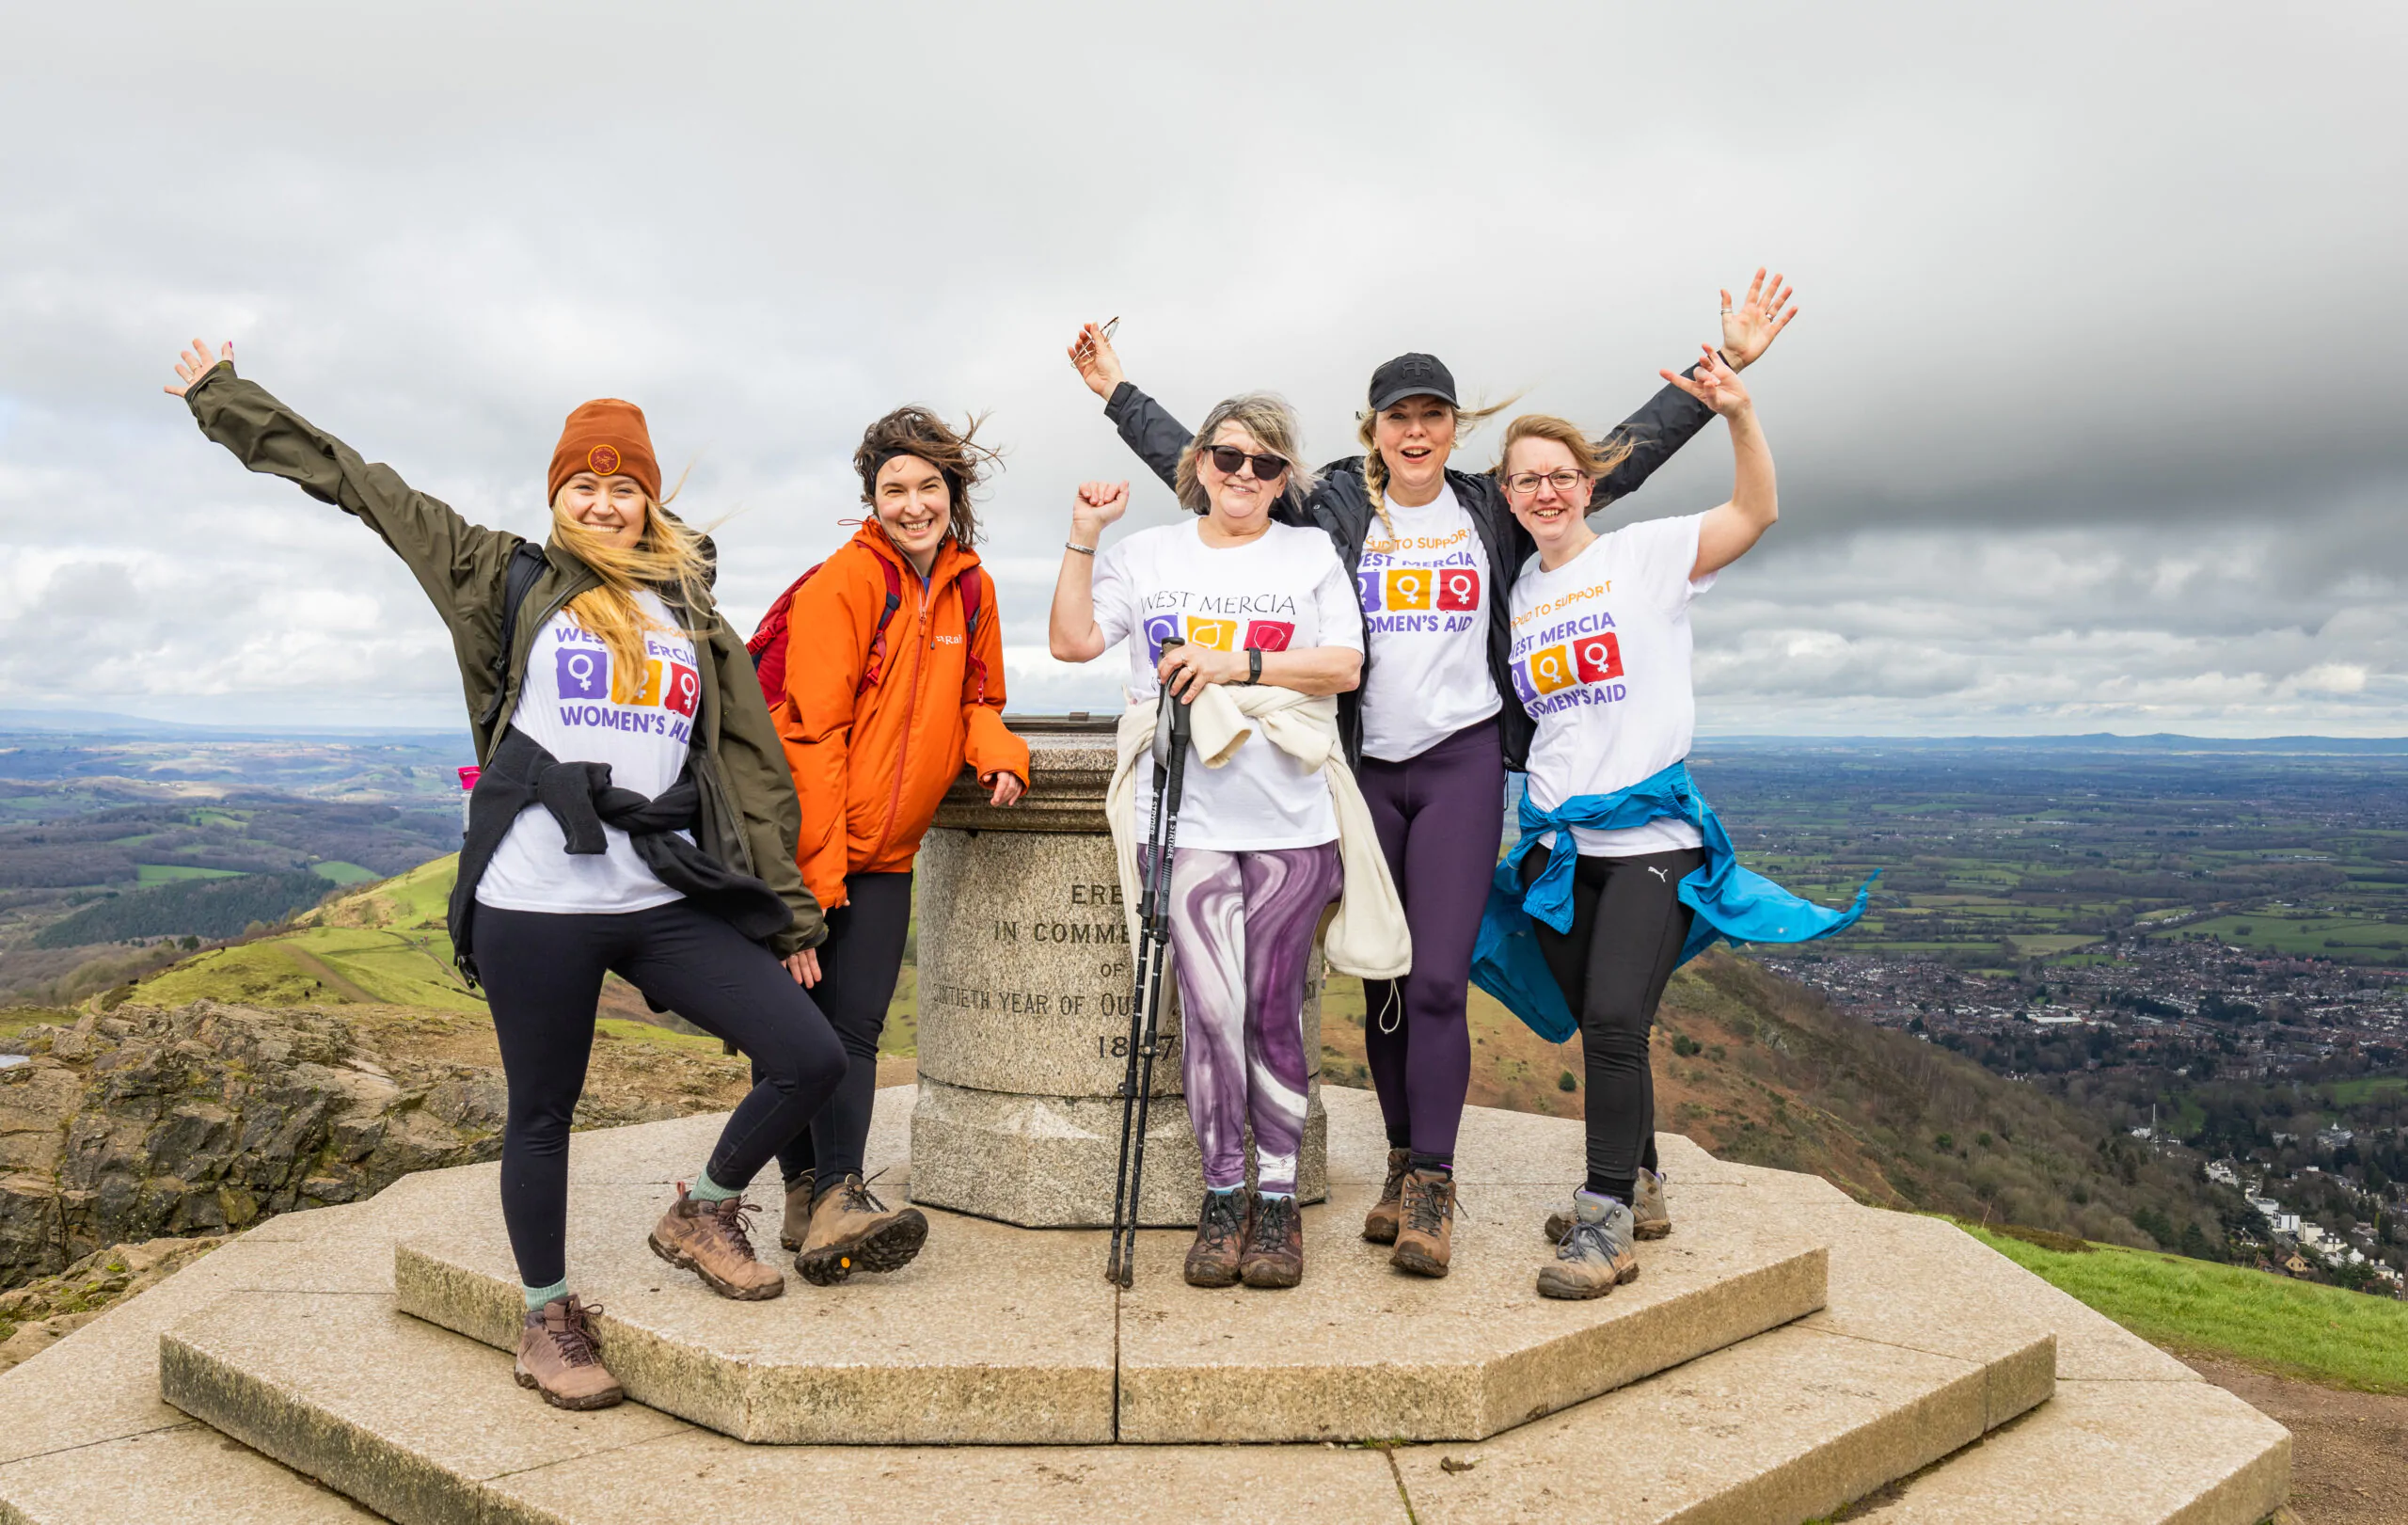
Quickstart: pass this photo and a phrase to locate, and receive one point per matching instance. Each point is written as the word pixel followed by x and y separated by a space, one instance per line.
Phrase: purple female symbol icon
pixel 582 672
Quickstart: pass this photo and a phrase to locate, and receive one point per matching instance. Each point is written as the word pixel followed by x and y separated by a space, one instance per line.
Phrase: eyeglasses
pixel 1227 458
pixel 1523 483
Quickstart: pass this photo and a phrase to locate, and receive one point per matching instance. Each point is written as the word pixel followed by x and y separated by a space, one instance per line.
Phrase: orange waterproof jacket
pixel 871 764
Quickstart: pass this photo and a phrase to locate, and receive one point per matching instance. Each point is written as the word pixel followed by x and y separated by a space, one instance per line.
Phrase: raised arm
pixel 1672 417
pixel 1146 426
pixel 1730 530
pixel 1071 632
pixel 456 562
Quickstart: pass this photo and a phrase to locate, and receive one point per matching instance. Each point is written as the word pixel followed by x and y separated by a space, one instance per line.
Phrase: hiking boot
pixel 710 1239
pixel 1380 1223
pixel 1220 1239
pixel 559 1358
pixel 1274 1243
pixel 1650 1217
pixel 1596 1256
pixel 852 1230
pixel 1426 1241
pixel 797 1226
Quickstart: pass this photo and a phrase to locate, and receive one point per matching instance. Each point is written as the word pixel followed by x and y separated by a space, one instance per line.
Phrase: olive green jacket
pixel 750 816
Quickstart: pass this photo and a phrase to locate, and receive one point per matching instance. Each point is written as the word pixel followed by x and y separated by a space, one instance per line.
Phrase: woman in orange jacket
pixel 895 681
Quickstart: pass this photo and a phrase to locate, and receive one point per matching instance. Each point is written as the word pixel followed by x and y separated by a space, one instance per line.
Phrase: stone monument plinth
pixel 1025 987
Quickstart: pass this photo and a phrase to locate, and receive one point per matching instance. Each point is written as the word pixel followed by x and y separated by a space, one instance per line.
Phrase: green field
pixel 2297 1328
pixel 2307 933
pixel 345 873
pixel 161 873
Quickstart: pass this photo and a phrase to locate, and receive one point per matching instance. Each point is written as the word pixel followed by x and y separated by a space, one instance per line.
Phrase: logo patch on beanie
pixel 604 459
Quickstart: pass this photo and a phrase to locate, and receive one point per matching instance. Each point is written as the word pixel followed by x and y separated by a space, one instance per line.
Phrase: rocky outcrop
pixel 40 1315
pixel 139 1124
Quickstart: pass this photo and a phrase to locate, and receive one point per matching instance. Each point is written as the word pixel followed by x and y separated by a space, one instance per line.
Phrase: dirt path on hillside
pixel 319 970
pixel 2349 1450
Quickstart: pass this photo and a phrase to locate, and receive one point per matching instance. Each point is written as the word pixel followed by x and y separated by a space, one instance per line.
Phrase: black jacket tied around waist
pixel 582 799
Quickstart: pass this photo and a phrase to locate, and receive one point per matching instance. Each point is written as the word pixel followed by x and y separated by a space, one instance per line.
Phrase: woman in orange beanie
pixel 904 688
pixel 633 815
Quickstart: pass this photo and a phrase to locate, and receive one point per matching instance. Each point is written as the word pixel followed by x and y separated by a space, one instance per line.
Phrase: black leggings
pixel 543 974
pixel 858 967
pixel 1628 928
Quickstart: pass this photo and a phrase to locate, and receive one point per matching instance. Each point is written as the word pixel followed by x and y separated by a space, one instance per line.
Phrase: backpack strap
pixel 973 586
pixel 876 667
pixel 527 563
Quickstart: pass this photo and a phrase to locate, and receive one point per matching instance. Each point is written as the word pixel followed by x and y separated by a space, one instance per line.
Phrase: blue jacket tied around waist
pixel 1730 902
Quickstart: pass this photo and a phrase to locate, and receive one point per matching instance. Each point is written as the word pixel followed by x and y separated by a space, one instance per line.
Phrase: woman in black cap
pixel 1433 553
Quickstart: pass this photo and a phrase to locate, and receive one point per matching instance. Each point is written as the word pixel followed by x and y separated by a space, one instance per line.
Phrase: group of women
pixel 1369 649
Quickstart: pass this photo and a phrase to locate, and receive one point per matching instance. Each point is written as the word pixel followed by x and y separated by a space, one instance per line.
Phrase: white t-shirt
pixel 1425 601
pixel 1283 591
pixel 1601 661
pixel 576 708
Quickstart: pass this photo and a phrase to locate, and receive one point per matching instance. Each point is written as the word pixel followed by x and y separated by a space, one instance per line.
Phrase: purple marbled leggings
pixel 1242 929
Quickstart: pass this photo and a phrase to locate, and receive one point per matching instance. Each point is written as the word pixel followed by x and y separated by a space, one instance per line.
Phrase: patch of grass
pixel 161 873
pixel 644 1032
pixel 2297 1328
pixel 345 873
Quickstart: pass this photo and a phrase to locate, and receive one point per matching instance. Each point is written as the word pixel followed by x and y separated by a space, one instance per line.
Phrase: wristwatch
pixel 1253 664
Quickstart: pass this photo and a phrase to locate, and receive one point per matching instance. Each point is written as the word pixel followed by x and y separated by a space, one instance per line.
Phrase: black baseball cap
pixel 1413 376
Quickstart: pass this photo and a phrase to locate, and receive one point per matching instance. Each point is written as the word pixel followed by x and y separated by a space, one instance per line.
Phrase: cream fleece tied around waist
pixel 1367 937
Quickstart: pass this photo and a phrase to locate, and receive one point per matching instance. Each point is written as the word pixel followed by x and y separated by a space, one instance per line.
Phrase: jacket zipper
pixel 903 748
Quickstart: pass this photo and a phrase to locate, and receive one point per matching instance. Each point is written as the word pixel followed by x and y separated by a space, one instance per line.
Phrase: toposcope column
pixel 1025 991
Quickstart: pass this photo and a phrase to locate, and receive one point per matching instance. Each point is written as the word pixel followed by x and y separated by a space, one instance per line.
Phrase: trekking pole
pixel 1148 963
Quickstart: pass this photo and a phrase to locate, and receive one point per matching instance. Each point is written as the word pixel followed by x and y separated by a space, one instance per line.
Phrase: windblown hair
pixel 1375 466
pixel 1593 460
pixel 672 559
pixel 958 457
pixel 1270 420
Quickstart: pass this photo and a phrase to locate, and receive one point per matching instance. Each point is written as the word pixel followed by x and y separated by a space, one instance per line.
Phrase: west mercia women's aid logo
pixel 1595 659
pixel 1218 635
pixel 585 674
pixel 1404 589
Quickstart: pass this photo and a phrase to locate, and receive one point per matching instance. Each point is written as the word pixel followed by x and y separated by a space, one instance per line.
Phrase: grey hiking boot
pixel 711 1239
pixel 559 1358
pixel 1651 1218
pixel 1380 1224
pixel 852 1230
pixel 1596 1256
pixel 797 1226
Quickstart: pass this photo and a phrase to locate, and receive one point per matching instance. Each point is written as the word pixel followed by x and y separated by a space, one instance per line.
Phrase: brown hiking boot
pixel 559 1358
pixel 852 1230
pixel 797 1226
pixel 1426 1242
pixel 710 1240
pixel 1650 1219
pixel 1220 1239
pixel 1596 1256
pixel 1380 1223
pixel 1274 1243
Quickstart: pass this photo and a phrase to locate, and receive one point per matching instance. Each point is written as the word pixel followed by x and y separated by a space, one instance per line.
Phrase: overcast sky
pixel 2093 421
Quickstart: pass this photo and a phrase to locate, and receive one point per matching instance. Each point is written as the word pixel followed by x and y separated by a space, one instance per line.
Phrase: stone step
pixel 422 1425
pixel 1005 1336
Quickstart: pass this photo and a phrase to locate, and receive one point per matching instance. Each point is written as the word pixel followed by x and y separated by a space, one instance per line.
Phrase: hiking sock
pixel 706 1190
pixel 538 1296
pixel 1433 1162
pixel 1271 1195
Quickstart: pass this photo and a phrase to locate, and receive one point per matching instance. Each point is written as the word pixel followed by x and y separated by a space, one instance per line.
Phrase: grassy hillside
pixel 188 902
pixel 2297 1328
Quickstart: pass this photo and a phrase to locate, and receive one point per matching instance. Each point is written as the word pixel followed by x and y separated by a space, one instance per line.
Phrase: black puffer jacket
pixel 1340 506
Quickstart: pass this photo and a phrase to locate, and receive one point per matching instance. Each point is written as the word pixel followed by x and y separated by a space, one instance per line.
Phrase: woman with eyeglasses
pixel 1622 872
pixel 1432 554
pixel 1268 623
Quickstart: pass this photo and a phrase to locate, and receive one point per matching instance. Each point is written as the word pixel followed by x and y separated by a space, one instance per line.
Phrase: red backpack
pixel 769 643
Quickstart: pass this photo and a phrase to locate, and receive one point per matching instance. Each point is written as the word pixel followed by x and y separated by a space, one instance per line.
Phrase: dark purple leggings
pixel 1440 817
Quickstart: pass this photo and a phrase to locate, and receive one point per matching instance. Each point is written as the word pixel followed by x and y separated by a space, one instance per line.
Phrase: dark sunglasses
pixel 1226 458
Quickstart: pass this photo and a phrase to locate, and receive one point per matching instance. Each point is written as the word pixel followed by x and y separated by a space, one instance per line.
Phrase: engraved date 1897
pixel 1117 1048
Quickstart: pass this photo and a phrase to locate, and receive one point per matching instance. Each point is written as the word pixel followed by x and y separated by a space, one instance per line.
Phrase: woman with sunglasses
pixel 1432 554
pixel 1258 856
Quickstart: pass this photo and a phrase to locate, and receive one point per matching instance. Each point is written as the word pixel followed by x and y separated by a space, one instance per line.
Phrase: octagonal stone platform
pixel 1000 1335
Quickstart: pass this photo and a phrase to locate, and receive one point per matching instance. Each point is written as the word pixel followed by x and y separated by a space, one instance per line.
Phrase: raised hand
pixel 1717 386
pixel 1098 507
pixel 194 364
pixel 1097 366
pixel 1749 329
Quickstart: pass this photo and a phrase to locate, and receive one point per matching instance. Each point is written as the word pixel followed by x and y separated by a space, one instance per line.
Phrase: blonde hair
pixel 1375 466
pixel 670 559
pixel 1264 415
pixel 1590 458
